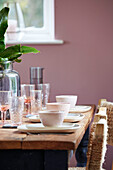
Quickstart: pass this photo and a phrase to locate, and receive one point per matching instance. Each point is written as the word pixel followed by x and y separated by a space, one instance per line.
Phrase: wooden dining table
pixel 44 151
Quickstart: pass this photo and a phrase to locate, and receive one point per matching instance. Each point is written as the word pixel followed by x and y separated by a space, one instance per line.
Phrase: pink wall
pixel 83 65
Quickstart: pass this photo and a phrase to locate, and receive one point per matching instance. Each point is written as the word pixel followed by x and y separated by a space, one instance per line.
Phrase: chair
pixel 109 110
pixel 109 107
pixel 97 142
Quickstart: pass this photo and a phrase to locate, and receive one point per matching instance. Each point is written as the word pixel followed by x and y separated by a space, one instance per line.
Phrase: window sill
pixel 32 37
pixel 46 41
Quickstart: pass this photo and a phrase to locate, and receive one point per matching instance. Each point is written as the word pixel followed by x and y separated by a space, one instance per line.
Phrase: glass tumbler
pixel 16 110
pixel 36 102
pixel 25 92
pixel 45 93
pixel 4 104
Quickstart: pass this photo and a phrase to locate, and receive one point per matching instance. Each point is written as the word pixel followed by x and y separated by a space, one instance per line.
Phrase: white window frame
pixel 44 35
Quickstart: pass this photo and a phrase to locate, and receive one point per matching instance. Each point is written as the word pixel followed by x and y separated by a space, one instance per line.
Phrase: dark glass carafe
pixel 36 75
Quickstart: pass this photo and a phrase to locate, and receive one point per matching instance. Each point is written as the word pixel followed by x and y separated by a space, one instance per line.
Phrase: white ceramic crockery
pixel 59 107
pixel 52 118
pixel 72 99
pixel 38 128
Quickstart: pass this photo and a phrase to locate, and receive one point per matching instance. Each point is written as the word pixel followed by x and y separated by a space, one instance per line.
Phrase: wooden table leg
pixel 81 152
pixel 56 160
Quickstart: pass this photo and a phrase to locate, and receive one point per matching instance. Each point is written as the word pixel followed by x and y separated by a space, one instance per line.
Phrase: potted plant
pixel 9 79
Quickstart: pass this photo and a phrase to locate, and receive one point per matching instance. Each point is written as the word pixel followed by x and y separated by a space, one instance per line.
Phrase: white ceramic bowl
pixel 58 107
pixel 72 99
pixel 52 118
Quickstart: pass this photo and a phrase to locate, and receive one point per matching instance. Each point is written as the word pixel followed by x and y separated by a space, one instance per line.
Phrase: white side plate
pixel 74 117
pixel 80 109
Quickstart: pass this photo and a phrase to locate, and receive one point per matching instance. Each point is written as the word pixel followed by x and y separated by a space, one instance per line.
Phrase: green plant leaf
pixel 2 44
pixel 3 26
pixel 3 21
pixel 11 51
pixel 14 52
pixel 14 57
pixel 18 60
pixel 26 49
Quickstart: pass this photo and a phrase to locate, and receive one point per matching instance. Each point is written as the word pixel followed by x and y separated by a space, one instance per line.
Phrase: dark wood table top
pixel 13 139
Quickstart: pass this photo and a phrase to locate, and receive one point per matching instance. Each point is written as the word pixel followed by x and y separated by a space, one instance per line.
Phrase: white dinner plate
pixel 80 109
pixel 39 128
pixel 71 117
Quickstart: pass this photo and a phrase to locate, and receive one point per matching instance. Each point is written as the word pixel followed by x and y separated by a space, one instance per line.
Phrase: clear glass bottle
pixel 9 78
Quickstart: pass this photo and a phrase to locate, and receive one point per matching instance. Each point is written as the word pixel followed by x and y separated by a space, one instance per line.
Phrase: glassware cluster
pixel 33 99
pixel 28 100
pixel 29 103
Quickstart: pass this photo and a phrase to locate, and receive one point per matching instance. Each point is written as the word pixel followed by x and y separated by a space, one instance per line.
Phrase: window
pixel 33 13
pixel 35 22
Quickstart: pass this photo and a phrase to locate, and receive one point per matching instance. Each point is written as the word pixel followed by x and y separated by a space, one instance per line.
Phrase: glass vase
pixel 9 79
